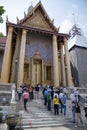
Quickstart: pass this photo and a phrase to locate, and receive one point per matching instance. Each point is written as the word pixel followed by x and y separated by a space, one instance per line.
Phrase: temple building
pixel 35 51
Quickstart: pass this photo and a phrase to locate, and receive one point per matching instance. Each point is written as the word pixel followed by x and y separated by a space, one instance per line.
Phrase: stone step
pixel 47 123
pixel 38 115
pixel 25 127
pixel 42 116
pixel 40 122
pixel 41 119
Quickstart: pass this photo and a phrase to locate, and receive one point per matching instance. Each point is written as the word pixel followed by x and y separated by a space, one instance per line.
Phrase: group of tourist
pixel 58 96
pixel 26 93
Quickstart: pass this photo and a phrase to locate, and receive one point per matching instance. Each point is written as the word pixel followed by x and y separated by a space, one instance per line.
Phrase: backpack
pixel 49 96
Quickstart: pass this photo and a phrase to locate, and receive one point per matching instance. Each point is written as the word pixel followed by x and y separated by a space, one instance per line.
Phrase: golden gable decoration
pixel 38 18
pixel 38 21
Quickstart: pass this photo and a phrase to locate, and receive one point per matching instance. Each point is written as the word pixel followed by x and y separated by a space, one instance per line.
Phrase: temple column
pixel 7 58
pixel 42 72
pixel 21 58
pixel 67 60
pixel 32 75
pixel 62 65
pixel 55 62
pixel 15 57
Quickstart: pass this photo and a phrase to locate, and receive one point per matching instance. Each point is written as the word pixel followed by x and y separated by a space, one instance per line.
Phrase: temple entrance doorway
pixel 26 73
pixel 37 71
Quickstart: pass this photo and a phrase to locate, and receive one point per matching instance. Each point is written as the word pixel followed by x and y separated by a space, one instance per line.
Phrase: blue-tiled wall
pixel 43 43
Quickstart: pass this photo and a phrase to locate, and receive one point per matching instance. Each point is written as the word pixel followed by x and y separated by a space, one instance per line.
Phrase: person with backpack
pixel 49 100
pixel 85 108
pixel 63 103
pixel 60 97
pixel 45 96
pixel 78 114
pixel 73 111
pixel 19 92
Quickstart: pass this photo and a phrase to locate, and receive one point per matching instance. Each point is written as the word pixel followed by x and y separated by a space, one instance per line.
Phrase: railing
pixel 82 100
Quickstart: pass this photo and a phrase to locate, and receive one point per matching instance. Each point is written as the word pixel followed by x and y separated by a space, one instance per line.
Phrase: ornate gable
pixel 38 21
pixel 38 18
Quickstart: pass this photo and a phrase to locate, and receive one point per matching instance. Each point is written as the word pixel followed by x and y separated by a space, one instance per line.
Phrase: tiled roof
pixel 78 40
pixel 3 40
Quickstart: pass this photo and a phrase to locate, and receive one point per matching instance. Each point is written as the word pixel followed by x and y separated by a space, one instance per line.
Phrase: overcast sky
pixel 60 10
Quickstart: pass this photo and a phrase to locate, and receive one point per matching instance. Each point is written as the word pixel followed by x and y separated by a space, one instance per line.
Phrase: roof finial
pixel 18 21
pixel 30 8
pixel 31 2
pixel 74 18
pixel 53 21
pixel 24 15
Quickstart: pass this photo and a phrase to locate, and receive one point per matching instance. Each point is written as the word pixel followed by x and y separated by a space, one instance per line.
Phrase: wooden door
pixel 26 73
pixel 37 72
pixel 34 73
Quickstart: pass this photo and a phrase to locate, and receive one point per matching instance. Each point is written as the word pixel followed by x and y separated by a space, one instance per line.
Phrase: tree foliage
pixel 1 34
pixel 2 11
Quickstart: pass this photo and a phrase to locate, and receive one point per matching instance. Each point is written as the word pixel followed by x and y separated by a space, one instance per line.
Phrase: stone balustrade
pixel 5 94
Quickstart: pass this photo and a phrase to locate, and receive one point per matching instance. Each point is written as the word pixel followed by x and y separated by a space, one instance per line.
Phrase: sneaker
pixel 75 125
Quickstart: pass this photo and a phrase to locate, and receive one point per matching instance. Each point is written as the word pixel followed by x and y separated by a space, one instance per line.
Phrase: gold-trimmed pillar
pixel 32 70
pixel 55 61
pixel 43 72
pixel 67 60
pixel 7 57
pixel 21 58
pixel 15 57
pixel 62 65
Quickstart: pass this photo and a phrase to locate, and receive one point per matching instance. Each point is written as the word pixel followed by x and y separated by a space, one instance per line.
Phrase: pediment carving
pixel 37 21
pixel 48 62
pixel 37 55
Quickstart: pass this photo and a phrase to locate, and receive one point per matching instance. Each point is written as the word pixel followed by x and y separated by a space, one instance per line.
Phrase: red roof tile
pixel 3 39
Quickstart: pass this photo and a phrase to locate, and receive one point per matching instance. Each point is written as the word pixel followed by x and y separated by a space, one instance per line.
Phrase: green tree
pixel 2 11
pixel 1 34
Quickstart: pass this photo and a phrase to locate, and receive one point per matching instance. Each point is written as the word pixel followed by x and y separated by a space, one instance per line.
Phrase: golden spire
pixel 18 21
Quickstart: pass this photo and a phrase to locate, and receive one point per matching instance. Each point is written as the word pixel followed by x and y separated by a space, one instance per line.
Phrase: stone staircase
pixel 38 115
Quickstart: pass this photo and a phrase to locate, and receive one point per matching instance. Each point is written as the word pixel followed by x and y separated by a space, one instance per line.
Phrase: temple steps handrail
pixel 82 100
